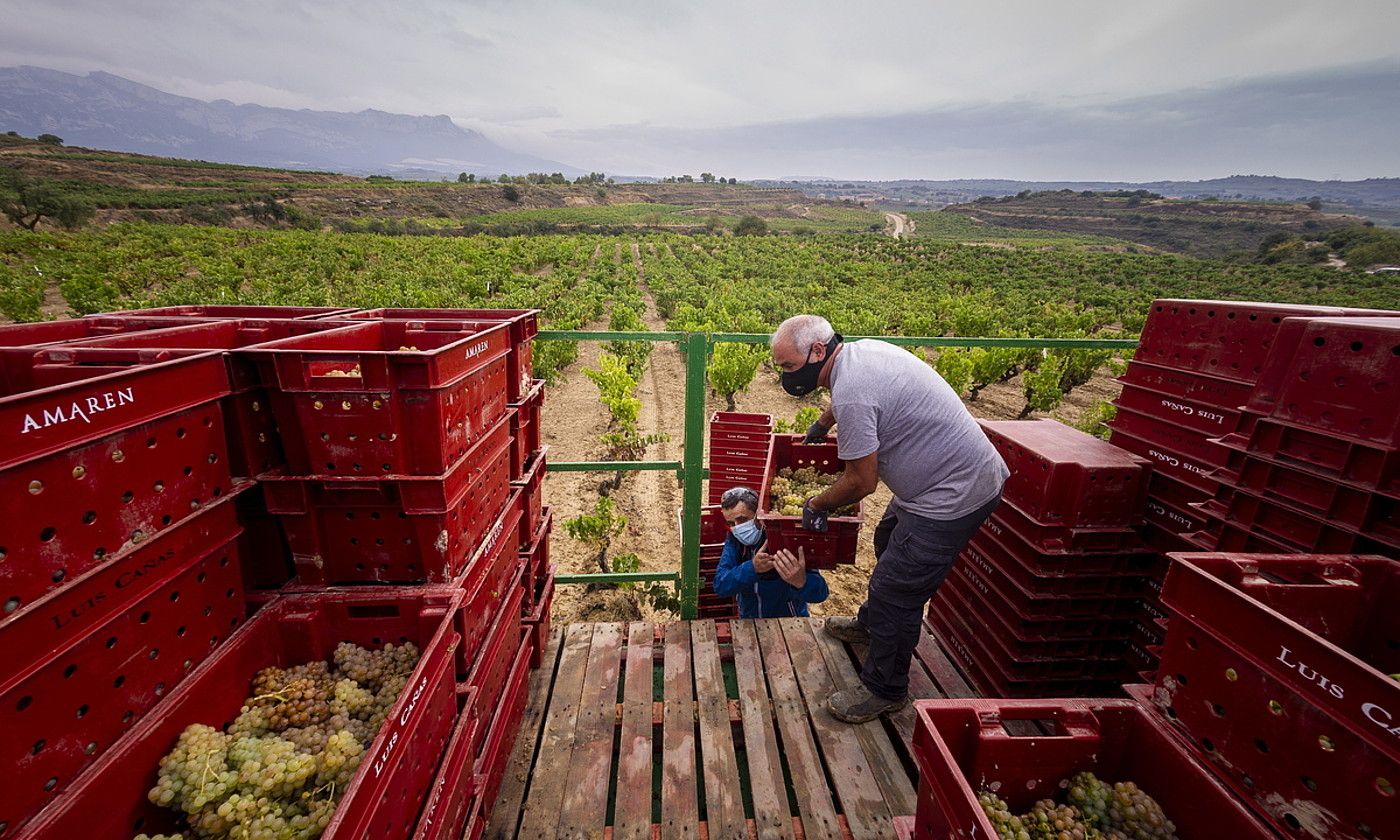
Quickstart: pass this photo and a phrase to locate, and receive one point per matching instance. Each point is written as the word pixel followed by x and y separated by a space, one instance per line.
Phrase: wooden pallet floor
pixel 707 730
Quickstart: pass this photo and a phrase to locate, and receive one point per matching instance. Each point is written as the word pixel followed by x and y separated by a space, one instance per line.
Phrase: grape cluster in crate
pixel 335 514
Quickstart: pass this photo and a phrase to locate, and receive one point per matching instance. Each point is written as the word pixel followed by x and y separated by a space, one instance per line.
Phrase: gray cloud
pixel 553 78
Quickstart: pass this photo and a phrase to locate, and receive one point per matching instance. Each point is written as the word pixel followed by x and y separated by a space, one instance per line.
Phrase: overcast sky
pixel 570 80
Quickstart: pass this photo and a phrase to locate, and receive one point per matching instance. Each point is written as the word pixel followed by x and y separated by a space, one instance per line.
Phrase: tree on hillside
pixel 510 193
pixel 751 226
pixel 466 178
pixel 733 180
pixel 50 139
pixel 26 202
pixel 707 177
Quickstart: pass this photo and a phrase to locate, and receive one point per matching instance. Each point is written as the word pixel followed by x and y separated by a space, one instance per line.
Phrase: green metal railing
pixel 690 470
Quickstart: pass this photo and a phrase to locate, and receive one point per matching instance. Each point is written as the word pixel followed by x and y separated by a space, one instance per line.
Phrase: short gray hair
pixel 804 331
pixel 735 495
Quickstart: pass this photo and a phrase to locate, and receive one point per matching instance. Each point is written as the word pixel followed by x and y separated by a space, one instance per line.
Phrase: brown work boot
pixel 858 705
pixel 847 629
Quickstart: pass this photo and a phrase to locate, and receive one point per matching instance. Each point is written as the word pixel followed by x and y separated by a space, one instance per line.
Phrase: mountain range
pixel 104 111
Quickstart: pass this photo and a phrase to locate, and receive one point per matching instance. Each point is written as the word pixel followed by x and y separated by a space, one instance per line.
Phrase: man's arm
pixel 856 482
pixel 828 418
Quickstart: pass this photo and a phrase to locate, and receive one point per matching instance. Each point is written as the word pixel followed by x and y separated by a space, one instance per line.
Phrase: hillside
pixel 131 187
pixel 107 111
pixel 1209 229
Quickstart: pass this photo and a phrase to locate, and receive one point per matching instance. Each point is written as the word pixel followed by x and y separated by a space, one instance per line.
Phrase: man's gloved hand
pixel 816 433
pixel 813 519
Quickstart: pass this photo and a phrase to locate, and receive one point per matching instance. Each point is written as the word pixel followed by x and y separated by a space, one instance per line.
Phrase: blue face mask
pixel 748 533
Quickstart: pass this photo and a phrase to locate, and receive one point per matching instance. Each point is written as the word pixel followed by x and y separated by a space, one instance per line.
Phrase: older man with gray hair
pixel 899 422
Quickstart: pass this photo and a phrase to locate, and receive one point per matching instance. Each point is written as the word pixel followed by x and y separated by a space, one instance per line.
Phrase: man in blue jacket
pixel 767 585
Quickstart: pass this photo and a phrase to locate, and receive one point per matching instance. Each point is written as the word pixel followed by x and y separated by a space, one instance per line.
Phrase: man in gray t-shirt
pixel 899 422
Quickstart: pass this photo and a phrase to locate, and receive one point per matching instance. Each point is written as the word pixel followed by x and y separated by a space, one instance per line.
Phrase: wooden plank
pixel 724 802
pixel 921 687
pixel 772 815
pixel 880 753
pixel 949 680
pixel 585 810
pixel 632 808
pixel 680 811
pixel 862 800
pixel 505 814
pixel 809 783
pixel 551 779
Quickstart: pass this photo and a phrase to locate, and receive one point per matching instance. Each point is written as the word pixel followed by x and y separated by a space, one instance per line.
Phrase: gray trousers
pixel 913 554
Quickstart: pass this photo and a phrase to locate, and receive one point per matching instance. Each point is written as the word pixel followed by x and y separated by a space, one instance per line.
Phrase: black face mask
pixel 803 381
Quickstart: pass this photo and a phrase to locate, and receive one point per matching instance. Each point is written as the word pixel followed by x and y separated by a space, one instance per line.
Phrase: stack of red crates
pixel 1314 465
pixel 1196 365
pixel 1278 675
pixel 401 470
pixel 737 454
pixel 1052 596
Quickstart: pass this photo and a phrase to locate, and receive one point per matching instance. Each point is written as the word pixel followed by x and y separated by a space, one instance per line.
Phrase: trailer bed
pixel 707 729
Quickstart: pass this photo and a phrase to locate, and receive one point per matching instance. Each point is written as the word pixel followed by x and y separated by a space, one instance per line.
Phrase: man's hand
pixel 816 433
pixel 813 519
pixel 791 568
pixel 763 562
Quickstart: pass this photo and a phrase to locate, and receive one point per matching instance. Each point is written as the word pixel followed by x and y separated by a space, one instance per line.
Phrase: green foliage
pixel 805 417
pixel 597 529
pixel 50 139
pixel 751 226
pixel 27 201
pixel 660 596
pixel 510 193
pixel 615 386
pixel 1095 418
pixel 954 364
pixel 732 367
pixel 21 294
pixel 1043 391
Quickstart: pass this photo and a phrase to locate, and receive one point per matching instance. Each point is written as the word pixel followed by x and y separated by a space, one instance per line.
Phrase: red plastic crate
pixel 525 429
pixel 740 426
pixel 523 324
pixel 266 558
pixel 1059 540
pixel 348 401
pixel 754 451
pixel 1277 668
pixel 1066 564
pixel 537 621
pixel 1339 378
pixel 968 604
pixel 823 551
pixel 501 732
pixel 980 669
pixel 531 485
pixel 1000 588
pixel 989 555
pixel 73 510
pixel 1230 339
pixel 393 530
pixel 384 798
pixel 1199 388
pixel 40 333
pixel 254 444
pixel 75 682
pixel 1345 505
pixel 448 808
pixel 1062 476
pixel 1190 414
pixel 1220 535
pixel 234 311
pixel 1291 525
pixel 536 553
pixel 487 583
pixel 1195 472
pixel 1169 516
pixel 1347 461
pixel 964 746
pixel 1174 436
pixel 488 663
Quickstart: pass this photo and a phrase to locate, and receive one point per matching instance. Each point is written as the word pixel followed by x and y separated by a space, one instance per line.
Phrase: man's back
pixel 932 454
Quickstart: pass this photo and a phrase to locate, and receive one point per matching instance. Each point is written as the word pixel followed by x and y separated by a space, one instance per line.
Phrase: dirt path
pixel 900 225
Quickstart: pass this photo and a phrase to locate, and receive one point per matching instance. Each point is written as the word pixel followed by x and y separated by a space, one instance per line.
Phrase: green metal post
pixel 697 351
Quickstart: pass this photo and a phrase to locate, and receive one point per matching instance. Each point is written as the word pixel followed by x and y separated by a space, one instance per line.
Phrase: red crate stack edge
pixel 375 474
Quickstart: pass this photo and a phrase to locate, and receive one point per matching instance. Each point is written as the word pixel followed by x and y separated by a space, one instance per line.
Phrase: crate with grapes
pixel 796 471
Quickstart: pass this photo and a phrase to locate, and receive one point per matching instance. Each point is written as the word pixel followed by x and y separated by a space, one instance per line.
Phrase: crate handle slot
pixel 1069 722
pixel 367 611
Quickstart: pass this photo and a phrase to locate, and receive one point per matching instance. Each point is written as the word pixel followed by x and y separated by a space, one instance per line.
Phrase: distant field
pixel 946 226
pixel 803 218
